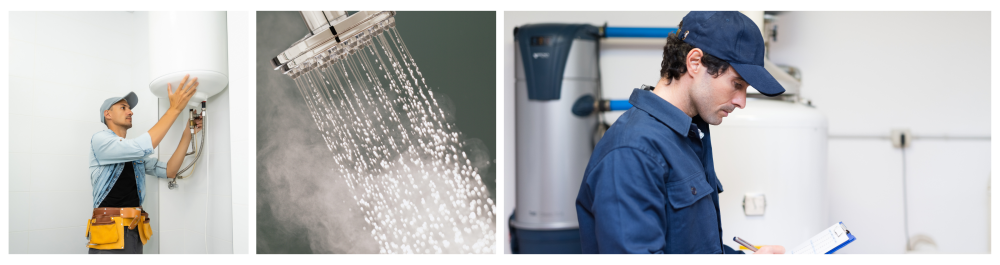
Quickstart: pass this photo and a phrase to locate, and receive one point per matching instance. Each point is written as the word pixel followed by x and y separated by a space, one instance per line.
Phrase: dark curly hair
pixel 674 56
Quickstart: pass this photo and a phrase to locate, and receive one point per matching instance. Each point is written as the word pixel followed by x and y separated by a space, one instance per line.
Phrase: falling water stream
pixel 393 146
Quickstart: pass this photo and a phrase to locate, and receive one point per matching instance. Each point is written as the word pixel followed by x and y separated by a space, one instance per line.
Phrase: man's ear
pixel 693 61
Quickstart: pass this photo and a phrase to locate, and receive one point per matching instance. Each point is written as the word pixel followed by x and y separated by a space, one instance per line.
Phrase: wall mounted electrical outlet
pixel 754 204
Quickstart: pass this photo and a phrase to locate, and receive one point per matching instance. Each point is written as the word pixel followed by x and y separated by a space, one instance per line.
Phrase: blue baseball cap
pixel 129 98
pixel 733 37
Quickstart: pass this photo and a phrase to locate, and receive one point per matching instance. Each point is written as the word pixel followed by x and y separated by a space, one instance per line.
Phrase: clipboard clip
pixel 844 227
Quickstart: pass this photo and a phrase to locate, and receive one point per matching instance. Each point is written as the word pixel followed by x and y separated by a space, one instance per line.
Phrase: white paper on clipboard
pixel 827 241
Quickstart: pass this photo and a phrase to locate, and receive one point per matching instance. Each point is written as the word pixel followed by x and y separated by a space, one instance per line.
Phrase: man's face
pixel 119 114
pixel 715 97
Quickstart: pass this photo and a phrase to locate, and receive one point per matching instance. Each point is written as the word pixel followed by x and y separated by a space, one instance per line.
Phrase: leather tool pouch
pixel 106 233
pixel 145 231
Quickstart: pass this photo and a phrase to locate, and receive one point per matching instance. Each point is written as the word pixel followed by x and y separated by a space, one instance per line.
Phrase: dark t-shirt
pixel 124 193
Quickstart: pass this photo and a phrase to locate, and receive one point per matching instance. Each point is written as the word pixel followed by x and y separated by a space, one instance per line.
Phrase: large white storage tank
pixel 194 43
pixel 771 156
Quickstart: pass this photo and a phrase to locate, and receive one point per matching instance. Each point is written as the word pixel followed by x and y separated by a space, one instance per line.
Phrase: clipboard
pixel 827 241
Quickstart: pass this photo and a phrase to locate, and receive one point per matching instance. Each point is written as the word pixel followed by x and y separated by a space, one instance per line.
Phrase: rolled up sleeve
pixel 109 149
pixel 155 167
pixel 628 203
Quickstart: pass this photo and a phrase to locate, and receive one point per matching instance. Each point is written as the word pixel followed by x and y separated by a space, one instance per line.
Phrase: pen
pixel 745 243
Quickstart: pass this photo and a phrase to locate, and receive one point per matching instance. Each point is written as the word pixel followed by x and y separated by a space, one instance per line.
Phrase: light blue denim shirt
pixel 108 156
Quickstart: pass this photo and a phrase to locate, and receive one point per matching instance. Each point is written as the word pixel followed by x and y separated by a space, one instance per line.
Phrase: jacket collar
pixel 662 110
pixel 108 130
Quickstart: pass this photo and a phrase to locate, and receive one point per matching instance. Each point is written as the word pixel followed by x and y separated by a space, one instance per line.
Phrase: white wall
pixel 874 71
pixel 869 72
pixel 63 65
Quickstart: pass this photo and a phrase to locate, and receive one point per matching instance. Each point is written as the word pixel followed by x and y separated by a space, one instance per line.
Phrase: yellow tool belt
pixel 106 228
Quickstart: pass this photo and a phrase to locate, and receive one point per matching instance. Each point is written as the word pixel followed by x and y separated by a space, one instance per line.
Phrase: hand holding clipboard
pixel 827 241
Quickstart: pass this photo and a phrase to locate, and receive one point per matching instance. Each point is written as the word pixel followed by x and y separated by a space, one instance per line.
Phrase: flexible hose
pixel 204 128
pixel 194 148
pixel 194 166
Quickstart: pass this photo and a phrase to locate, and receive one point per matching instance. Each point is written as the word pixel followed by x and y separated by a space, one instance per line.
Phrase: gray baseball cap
pixel 131 98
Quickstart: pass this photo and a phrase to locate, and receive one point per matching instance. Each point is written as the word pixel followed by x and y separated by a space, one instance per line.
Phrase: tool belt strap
pixel 128 212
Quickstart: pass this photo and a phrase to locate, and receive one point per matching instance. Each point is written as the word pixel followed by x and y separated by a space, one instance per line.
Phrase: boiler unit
pixel 195 44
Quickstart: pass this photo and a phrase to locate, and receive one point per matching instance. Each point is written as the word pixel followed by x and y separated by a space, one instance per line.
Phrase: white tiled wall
pixel 63 65
pixel 868 72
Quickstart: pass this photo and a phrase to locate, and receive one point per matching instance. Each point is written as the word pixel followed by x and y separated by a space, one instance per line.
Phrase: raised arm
pixel 174 164
pixel 178 99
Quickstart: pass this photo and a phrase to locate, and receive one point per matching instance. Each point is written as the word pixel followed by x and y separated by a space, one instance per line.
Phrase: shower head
pixel 332 34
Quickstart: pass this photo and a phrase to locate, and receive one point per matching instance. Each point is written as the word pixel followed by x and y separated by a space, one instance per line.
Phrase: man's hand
pixel 771 249
pixel 197 124
pixel 178 100
pixel 180 97
pixel 174 164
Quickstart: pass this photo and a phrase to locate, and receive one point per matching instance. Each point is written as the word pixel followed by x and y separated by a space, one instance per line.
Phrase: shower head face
pixel 209 84
pixel 341 34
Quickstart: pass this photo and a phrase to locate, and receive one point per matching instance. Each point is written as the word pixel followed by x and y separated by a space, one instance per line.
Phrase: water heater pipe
pixel 634 32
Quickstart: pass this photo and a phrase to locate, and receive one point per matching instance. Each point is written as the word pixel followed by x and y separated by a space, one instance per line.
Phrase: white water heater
pixel 771 160
pixel 194 43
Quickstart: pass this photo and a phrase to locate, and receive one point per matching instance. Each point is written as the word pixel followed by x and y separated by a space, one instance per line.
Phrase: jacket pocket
pixel 688 191
pixel 104 230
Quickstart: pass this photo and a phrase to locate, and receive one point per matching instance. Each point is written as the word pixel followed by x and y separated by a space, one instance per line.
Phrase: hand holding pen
pixel 769 249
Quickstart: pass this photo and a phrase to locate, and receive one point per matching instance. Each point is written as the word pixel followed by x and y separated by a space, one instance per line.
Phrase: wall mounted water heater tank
pixel 192 43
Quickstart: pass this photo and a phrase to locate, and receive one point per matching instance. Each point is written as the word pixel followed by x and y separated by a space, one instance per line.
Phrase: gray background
pixel 455 52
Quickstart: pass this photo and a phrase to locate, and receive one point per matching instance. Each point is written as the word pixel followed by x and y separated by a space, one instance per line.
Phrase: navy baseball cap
pixel 129 98
pixel 733 37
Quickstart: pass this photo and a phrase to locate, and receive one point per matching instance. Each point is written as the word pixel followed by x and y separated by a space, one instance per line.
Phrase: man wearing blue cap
pixel 650 185
pixel 118 167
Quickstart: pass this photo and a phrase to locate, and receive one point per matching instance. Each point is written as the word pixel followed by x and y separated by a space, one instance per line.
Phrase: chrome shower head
pixel 332 35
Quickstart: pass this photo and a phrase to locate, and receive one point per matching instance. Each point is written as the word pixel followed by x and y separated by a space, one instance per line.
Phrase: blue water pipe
pixel 633 32
pixel 621 104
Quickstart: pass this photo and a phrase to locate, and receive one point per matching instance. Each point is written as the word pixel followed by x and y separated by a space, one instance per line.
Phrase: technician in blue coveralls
pixel 650 185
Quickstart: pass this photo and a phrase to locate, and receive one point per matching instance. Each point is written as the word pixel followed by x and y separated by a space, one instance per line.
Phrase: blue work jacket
pixel 108 156
pixel 650 185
